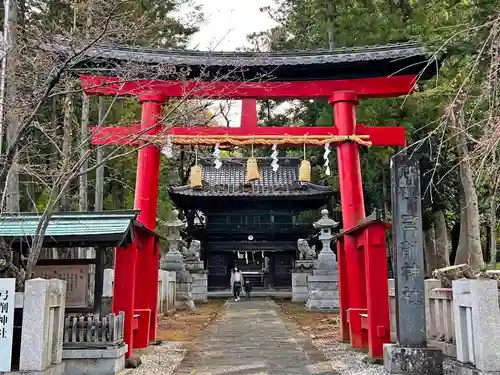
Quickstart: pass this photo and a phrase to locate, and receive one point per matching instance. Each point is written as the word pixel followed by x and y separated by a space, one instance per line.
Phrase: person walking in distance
pixel 236 282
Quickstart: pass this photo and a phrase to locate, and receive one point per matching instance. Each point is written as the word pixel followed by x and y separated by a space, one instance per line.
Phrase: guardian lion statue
pixel 193 251
pixel 306 252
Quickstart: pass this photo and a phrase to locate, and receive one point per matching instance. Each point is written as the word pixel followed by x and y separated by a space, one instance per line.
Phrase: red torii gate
pixel 136 293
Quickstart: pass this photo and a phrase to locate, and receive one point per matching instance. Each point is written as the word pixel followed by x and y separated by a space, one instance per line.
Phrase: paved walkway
pixel 251 338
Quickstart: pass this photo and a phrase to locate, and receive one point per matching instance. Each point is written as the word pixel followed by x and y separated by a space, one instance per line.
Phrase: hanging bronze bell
pixel 305 171
pixel 252 170
pixel 195 177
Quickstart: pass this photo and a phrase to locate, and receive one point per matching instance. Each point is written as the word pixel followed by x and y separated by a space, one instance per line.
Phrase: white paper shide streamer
pixel 216 154
pixel 168 149
pixel 327 161
pixel 274 156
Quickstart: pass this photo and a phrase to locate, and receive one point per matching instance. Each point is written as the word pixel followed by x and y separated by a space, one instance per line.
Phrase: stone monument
pixel 410 355
pixel 304 267
pixel 196 268
pixel 323 284
pixel 173 261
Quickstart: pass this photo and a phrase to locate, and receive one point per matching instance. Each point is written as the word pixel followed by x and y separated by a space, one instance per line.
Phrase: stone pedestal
pixel 303 269
pixel 199 286
pixel 323 284
pixel 323 290
pixel 183 291
pixel 412 361
pixel 109 361
pixel 172 261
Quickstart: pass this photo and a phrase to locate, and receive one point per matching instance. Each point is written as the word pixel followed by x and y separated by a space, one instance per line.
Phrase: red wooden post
pixel 351 194
pixel 343 290
pixel 124 289
pixel 146 200
pixel 379 332
pixel 153 329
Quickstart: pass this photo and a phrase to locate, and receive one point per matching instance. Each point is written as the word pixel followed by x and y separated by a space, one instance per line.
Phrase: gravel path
pixel 161 360
pixel 251 338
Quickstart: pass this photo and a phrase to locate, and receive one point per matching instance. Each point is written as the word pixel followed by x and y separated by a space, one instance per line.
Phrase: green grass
pixel 498 266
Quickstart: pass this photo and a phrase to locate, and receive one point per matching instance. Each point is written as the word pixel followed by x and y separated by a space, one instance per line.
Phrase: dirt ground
pixel 185 325
pixel 316 325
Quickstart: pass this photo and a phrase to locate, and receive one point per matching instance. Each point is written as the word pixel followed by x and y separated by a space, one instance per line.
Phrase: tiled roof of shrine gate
pixel 340 63
pixel 230 180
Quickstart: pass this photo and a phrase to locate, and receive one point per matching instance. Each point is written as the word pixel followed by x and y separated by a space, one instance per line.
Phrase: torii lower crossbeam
pixel 130 135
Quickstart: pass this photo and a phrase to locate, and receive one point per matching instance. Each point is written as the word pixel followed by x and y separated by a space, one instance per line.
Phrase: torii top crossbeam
pixel 381 71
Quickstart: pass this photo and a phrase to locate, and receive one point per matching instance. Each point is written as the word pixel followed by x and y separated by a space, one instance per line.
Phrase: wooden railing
pixel 91 331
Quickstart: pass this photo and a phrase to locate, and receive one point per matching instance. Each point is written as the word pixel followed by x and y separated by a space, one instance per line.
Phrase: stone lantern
pixel 326 257
pixel 323 287
pixel 173 260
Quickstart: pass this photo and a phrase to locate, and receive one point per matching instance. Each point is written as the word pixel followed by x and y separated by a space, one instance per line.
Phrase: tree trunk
pixel 462 254
pixel 331 25
pixel 471 231
pixel 99 180
pixel 493 231
pixel 430 251
pixel 67 136
pixel 12 123
pixel 441 236
pixel 84 147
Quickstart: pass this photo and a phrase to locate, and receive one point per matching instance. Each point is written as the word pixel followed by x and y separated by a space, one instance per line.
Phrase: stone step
pixel 326 272
pixel 322 278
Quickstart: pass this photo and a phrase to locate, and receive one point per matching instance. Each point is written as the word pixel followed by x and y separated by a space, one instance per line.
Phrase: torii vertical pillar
pixel 351 261
pixel 136 267
pixel 146 200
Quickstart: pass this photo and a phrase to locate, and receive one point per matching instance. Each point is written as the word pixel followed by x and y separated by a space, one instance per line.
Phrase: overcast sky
pixel 226 25
pixel 228 22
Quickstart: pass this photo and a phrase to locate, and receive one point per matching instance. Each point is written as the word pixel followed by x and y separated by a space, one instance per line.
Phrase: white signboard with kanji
pixel 7 295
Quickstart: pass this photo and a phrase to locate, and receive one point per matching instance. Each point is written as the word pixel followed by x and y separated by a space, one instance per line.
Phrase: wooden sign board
pixel 77 278
pixel 7 295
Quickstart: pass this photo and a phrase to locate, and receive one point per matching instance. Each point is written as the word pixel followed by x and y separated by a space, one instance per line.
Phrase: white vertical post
pixel 7 305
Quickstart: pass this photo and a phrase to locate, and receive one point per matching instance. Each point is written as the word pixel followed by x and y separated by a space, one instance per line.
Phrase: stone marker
pixel 7 295
pixel 410 355
pixel 323 284
pixel 43 327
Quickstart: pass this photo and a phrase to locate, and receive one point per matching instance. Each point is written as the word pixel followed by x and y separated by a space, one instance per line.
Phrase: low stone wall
pixel 300 291
pixel 440 316
pixel 166 291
